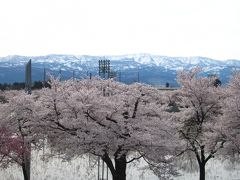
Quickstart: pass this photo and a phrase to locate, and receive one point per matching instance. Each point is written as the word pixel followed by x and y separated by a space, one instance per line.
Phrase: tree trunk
pixel 120 168
pixel 119 171
pixel 26 162
pixel 25 172
pixel 202 171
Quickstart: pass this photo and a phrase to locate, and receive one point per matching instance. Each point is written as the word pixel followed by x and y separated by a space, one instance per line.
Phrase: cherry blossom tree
pixel 199 119
pixel 105 118
pixel 16 117
pixel 231 116
pixel 11 147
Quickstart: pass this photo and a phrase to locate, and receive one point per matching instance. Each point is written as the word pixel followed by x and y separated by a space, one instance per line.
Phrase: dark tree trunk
pixel 25 172
pixel 119 171
pixel 120 168
pixel 202 160
pixel 26 162
pixel 202 171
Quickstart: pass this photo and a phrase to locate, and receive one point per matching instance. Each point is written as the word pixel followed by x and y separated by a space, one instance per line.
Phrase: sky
pixel 209 28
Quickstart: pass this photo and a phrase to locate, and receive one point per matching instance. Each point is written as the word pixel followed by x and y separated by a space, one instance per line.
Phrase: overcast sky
pixel 209 28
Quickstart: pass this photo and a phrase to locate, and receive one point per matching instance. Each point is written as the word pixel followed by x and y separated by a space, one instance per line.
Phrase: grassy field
pixel 85 168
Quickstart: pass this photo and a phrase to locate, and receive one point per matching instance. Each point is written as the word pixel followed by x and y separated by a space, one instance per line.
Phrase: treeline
pixel 121 123
pixel 21 85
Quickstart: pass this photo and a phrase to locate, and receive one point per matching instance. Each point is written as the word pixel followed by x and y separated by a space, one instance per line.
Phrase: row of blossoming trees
pixel 121 123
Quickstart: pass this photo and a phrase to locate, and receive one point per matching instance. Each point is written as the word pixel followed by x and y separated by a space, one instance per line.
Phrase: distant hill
pixel 150 69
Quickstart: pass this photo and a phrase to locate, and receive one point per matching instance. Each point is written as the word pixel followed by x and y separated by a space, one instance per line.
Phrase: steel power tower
pixel 104 69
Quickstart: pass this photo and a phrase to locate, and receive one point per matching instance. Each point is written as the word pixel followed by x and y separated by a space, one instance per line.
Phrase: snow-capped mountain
pixel 152 69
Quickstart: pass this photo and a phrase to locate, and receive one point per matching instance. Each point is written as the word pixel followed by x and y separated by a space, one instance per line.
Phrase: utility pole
pixel 73 74
pixel 120 76
pixel 138 75
pixel 98 168
pixel 102 170
pixel 60 74
pixel 28 77
pixel 107 173
pixel 44 77
pixel 26 165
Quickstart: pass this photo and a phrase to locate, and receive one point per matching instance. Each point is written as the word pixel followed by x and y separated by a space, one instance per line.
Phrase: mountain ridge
pixel 146 68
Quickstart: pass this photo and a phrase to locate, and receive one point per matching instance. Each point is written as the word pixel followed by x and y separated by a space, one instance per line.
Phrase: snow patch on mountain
pixel 124 61
pixel 146 68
